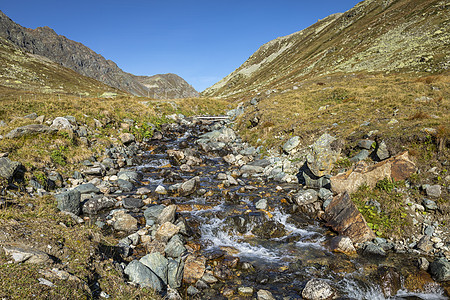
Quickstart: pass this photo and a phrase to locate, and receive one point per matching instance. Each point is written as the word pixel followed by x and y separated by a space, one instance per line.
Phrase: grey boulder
pixel 69 201
pixel 142 275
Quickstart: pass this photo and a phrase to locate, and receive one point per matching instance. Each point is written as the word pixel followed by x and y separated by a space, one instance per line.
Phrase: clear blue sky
pixel 200 40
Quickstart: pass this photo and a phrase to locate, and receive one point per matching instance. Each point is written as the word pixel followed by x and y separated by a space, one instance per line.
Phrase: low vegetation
pixel 84 251
pixel 384 208
pixel 400 109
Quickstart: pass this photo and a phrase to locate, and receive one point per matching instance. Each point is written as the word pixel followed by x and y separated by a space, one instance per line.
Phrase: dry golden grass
pixel 351 106
pixel 75 247
pixel 36 151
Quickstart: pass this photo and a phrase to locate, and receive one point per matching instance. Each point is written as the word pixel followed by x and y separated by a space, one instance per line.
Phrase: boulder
pixel 152 213
pixel 291 144
pixel 166 231
pixel 362 155
pixel 142 275
pixel 372 249
pixel 224 135
pixel 433 190
pixel 29 130
pixel 250 169
pixel 61 123
pixel 425 244
pixel 318 289
pixel 125 185
pixel 190 186
pixel 167 214
pixel 423 263
pixel 305 197
pixel 31 116
pixel 440 269
pixel 69 201
pixel 366 144
pixel 270 229
pixel 96 204
pixel 194 268
pixel 324 153
pixel 94 171
pixel 261 204
pixel 398 168
pixel 175 247
pixel 175 269
pixel 131 176
pixel 11 169
pixel 342 244
pixel 131 203
pixel 157 263
pixel 429 204
pixel 161 190
pixel 389 280
pixel 382 151
pixel 124 221
pixel 342 216
pixel 127 138
pixel 264 295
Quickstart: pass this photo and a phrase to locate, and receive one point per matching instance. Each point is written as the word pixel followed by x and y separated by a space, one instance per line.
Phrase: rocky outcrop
pixel 399 167
pixel 45 42
pixel 343 216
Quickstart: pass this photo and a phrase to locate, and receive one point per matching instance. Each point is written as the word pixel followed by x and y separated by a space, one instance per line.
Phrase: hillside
pixel 45 42
pixel 24 72
pixel 402 36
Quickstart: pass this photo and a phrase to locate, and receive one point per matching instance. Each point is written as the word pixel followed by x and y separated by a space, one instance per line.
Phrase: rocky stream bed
pixel 202 215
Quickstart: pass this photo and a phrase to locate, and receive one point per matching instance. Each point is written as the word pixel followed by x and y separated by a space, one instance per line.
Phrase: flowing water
pixel 277 248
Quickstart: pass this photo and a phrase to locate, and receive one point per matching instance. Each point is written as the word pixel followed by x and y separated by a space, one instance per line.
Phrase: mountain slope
pixel 167 86
pixel 46 42
pixel 22 71
pixel 375 35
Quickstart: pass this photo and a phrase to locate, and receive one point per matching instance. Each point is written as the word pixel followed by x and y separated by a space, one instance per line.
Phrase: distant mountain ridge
pixel 166 86
pixel 373 36
pixel 46 42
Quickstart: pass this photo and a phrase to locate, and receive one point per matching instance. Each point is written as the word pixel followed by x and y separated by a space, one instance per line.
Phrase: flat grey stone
pixel 132 203
pixel 29 130
pixel 365 144
pixel 23 254
pixel 87 188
